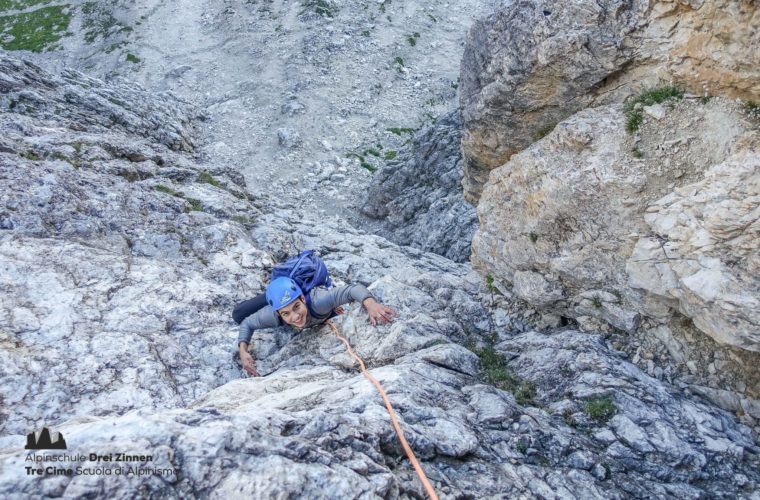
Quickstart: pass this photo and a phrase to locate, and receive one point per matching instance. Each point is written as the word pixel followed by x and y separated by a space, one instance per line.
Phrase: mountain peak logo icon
pixel 44 441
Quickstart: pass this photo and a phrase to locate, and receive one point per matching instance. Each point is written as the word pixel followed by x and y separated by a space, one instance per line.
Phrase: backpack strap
pixel 298 262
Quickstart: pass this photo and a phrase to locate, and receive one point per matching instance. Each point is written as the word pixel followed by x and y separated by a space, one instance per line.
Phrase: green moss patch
pixel 6 5
pixel 36 30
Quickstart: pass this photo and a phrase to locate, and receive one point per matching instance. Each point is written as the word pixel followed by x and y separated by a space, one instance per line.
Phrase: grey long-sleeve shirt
pixel 323 301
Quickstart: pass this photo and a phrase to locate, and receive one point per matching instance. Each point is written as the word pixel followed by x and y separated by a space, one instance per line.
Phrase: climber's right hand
pixel 249 365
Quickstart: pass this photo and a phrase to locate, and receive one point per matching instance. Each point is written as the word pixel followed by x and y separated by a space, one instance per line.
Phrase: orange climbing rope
pixel 409 453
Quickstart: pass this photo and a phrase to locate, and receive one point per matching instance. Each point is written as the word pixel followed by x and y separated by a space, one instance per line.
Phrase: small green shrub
pixel 533 237
pixel 368 166
pixel 209 179
pixel 31 155
pixel 390 155
pixel 195 205
pixel 752 109
pixel 133 58
pixel 525 393
pixel 167 190
pixel 400 130
pixel 365 33
pixel 490 286
pixel 600 409
pixel 495 371
pixel 635 116
pixel 399 61
pixel 362 161
pixel 636 152
pixel 597 301
pixel 373 152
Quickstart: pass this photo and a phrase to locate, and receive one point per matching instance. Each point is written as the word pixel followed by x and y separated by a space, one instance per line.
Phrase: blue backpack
pixel 308 271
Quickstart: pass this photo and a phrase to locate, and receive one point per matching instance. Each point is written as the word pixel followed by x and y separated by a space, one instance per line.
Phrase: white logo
pixel 285 298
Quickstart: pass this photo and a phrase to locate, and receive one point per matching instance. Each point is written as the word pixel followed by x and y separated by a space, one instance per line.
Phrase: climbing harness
pixel 407 449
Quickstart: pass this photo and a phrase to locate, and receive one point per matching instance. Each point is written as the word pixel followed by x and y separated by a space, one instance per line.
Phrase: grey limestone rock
pixel 131 351
pixel 418 197
pixel 528 66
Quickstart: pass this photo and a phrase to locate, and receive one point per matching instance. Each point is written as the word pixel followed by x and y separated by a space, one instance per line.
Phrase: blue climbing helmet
pixel 307 271
pixel 281 292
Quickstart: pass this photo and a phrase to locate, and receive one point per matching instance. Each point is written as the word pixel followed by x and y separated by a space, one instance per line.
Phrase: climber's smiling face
pixel 295 313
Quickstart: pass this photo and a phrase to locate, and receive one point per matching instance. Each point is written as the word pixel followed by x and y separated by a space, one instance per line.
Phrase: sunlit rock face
pixel 591 221
pixel 531 64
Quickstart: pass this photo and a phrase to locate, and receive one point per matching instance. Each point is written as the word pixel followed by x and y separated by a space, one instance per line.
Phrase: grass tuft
pixel 597 301
pixel 490 286
pixel 633 113
pixel 600 409
pixel 209 179
pixel 31 155
pixel 400 130
pixel 167 190
pixel 495 371
pixel 752 109
pixel 195 205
